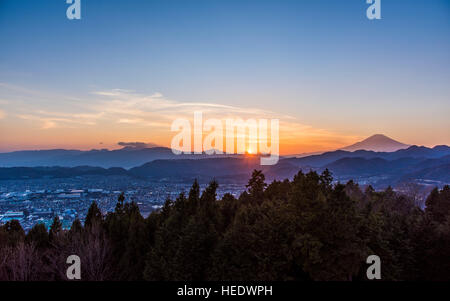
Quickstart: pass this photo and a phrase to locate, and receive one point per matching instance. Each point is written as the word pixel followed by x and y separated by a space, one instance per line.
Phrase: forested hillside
pixel 304 229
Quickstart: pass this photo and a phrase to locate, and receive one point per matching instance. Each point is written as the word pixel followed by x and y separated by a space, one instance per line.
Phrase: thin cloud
pixel 156 106
pixel 55 121
pixel 150 114
pixel 138 145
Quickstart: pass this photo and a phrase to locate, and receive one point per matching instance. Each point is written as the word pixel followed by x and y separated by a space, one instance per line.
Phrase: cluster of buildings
pixel 37 201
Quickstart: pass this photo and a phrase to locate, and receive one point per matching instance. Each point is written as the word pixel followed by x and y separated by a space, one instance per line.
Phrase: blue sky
pixel 322 62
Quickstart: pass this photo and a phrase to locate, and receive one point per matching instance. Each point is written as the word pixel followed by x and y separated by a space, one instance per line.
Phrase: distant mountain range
pixel 420 164
pixel 133 156
pixel 414 163
pixel 412 151
pixel 126 157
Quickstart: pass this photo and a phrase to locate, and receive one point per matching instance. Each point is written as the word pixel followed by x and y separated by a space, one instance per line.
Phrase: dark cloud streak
pixel 137 145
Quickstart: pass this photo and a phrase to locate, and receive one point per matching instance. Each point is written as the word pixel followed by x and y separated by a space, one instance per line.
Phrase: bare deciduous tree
pixel 20 263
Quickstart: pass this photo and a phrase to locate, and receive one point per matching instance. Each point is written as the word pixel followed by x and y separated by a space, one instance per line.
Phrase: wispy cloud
pixel 137 144
pixel 157 111
pixel 142 115
pixel 53 121
pixel 143 108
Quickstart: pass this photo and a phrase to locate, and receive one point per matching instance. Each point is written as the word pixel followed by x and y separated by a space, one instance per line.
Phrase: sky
pixel 127 69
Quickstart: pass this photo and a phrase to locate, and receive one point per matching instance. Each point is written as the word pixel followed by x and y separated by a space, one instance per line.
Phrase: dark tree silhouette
pixel 304 229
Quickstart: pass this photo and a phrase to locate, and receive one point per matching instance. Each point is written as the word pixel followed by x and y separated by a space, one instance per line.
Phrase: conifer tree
pixel 93 217
pixel 55 228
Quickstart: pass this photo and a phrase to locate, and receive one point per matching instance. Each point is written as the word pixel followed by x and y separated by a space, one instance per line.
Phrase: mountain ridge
pixel 126 157
pixel 378 143
pixel 378 169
